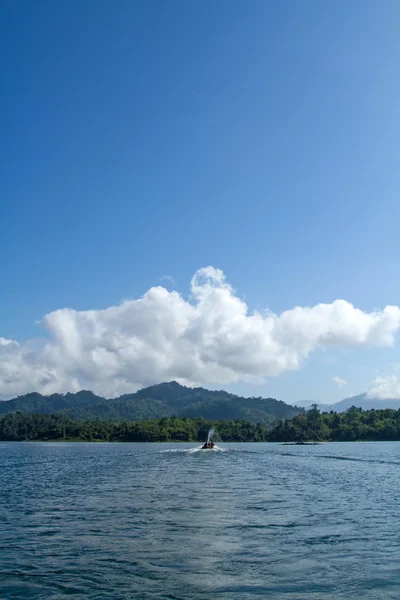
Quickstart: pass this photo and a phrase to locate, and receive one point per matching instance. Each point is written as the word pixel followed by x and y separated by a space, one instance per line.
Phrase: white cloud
pixel 167 278
pixel 339 381
pixel 209 339
pixel 384 388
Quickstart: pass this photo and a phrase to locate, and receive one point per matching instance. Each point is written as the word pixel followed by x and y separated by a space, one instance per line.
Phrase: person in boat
pixel 207 445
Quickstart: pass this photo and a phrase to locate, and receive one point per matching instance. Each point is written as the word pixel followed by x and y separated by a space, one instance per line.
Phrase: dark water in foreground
pixel 119 521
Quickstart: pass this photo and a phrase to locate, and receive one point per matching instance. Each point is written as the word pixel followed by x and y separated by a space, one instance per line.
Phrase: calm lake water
pixel 151 521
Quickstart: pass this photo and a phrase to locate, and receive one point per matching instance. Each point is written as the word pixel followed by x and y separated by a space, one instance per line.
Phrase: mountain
pixel 163 400
pixel 307 404
pixel 363 401
pixel 36 403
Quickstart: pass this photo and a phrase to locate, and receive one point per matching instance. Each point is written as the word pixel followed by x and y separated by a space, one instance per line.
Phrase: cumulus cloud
pixel 385 388
pixel 209 338
pixel 339 381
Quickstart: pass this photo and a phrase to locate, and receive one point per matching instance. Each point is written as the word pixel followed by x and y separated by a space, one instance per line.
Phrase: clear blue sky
pixel 141 139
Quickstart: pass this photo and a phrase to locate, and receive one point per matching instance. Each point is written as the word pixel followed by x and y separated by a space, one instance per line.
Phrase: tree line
pixel 20 426
pixel 355 424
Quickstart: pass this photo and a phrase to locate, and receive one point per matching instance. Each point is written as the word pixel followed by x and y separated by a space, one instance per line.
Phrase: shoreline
pixel 79 441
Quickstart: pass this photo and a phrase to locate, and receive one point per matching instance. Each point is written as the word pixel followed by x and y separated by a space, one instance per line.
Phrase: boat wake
pixel 195 450
pixel 199 451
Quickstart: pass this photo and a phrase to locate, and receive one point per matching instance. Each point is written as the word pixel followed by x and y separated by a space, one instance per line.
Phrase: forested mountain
pixel 163 400
pixel 36 403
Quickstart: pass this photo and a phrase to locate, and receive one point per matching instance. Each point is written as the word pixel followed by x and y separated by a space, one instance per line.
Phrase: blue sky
pixel 144 139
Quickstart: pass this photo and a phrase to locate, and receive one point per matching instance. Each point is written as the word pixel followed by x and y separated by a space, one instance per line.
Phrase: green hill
pixel 163 400
pixel 36 403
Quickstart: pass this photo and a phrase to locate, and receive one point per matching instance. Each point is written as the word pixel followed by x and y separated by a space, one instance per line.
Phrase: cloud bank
pixel 210 338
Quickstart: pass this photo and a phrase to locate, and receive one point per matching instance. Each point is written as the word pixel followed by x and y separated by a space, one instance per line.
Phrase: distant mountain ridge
pixel 162 400
pixel 363 401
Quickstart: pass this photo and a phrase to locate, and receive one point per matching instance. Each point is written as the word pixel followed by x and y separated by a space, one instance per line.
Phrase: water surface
pixel 159 521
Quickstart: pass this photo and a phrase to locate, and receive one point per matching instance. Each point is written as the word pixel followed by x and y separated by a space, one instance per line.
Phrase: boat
pixel 208 446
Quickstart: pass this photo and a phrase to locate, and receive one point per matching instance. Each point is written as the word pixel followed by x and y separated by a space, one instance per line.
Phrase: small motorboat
pixel 208 446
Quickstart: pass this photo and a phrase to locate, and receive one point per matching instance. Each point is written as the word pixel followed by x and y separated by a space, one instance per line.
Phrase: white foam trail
pixel 194 450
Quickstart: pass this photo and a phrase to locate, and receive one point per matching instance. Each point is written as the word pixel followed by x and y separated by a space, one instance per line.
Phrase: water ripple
pixel 115 521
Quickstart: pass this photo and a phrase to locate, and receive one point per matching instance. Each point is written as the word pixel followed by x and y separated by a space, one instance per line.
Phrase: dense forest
pixel 354 425
pixel 19 426
pixel 163 400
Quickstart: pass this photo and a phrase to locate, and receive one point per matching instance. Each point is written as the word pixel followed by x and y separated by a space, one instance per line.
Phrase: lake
pixel 160 521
